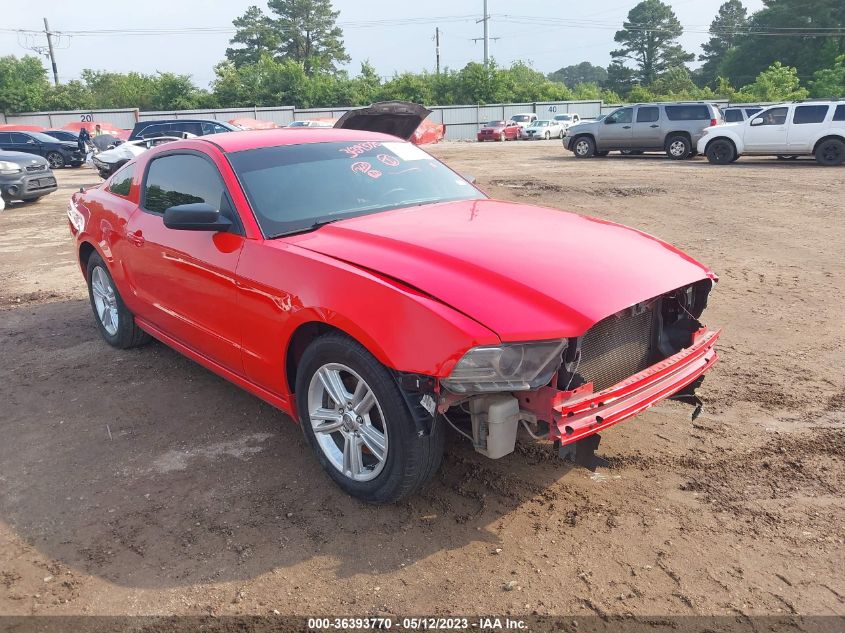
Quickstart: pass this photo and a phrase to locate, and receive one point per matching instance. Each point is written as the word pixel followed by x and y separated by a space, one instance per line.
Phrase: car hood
pixel 524 272
pixel 124 151
pixel 398 118
pixel 22 158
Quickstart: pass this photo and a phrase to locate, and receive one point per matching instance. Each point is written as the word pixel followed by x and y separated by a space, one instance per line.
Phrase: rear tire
pixel 721 152
pixel 678 147
pixel 407 461
pixel 830 152
pixel 114 320
pixel 56 160
pixel 583 147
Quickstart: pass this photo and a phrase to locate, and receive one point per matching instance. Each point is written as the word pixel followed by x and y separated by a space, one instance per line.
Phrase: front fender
pixel 282 287
pixel 733 137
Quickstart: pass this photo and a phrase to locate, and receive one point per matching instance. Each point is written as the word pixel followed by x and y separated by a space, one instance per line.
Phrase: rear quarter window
pixel 688 113
pixel 839 115
pixel 121 182
pixel 810 114
pixel 733 116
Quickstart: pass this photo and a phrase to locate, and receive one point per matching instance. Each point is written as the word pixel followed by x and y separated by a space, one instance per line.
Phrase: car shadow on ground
pixel 147 470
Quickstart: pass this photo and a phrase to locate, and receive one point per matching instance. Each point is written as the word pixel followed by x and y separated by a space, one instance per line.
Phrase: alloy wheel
pixel 677 148
pixel 582 148
pixel 348 422
pixel 105 300
pixel 56 160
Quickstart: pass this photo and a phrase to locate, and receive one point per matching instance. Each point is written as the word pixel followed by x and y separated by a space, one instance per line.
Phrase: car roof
pixel 182 120
pixel 254 139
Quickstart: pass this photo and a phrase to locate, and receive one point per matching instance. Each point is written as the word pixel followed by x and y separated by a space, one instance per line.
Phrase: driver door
pixel 767 132
pixel 185 280
pixel 616 131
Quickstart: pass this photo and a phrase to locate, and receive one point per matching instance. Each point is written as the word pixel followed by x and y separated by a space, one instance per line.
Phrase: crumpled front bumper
pixel 574 415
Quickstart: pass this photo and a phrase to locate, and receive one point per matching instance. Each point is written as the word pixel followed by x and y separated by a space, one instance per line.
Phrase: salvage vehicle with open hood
pixel 355 282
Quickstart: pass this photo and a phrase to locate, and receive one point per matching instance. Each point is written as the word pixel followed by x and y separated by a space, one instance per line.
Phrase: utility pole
pixel 486 37
pixel 437 47
pixel 52 53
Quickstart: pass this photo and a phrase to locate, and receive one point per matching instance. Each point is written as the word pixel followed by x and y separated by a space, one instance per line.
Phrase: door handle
pixel 136 238
pixel 655 125
pixel 626 127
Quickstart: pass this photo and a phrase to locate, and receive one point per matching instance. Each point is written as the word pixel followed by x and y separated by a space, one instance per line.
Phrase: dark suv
pixel 673 128
pixel 177 127
pixel 58 153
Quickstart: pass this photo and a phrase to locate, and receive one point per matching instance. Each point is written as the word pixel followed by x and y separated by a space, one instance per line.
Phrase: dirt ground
pixel 139 483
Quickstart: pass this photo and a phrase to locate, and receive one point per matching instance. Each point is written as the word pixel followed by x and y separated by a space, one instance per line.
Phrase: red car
pixel 376 296
pixel 499 131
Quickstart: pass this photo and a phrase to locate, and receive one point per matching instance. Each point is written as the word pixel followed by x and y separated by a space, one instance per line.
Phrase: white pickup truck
pixel 808 128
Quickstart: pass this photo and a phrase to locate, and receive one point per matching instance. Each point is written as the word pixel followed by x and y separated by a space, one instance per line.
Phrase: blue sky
pixel 395 36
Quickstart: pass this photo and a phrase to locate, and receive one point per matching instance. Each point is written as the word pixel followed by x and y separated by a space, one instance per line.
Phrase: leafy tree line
pixel 289 55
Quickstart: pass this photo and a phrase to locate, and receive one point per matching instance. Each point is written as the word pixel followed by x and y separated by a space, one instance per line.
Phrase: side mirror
pixel 198 216
pixel 757 121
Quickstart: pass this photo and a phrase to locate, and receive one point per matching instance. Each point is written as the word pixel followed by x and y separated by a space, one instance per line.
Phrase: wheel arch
pixel 86 249
pixel 722 138
pixel 827 137
pixel 683 133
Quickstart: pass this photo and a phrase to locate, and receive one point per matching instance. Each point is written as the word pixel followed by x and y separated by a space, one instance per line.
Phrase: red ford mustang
pixel 363 287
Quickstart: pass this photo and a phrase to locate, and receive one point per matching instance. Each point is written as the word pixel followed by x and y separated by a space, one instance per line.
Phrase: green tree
pixel 620 78
pixel 70 95
pixel 754 53
pixel 583 73
pixel 649 38
pixel 23 84
pixel 776 83
pixel 725 31
pixel 829 82
pixel 256 34
pixel 309 34
pixel 675 83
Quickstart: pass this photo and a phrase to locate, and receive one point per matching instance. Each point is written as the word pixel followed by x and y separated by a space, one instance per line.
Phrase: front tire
pixel 56 160
pixel 678 147
pixel 114 320
pixel 357 423
pixel 830 152
pixel 721 152
pixel 584 147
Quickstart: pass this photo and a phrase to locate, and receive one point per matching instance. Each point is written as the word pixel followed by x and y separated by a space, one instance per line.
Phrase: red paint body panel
pixel 417 287
pixel 525 272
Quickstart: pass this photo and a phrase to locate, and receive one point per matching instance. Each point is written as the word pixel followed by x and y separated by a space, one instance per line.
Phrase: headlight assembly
pixel 8 169
pixel 508 367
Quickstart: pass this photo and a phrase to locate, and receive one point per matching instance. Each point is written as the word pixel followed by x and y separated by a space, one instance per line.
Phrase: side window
pixel 773 116
pixel 647 114
pixel 17 137
pixel 5 137
pixel 810 114
pixel 181 179
pixel 151 130
pixel 839 115
pixel 190 127
pixel 121 182
pixel 749 112
pixel 687 112
pixel 733 116
pixel 625 115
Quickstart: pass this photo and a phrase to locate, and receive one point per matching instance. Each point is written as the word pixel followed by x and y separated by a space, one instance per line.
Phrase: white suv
pixel 810 128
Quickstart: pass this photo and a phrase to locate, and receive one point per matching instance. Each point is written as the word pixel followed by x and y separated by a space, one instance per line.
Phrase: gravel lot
pixel 139 483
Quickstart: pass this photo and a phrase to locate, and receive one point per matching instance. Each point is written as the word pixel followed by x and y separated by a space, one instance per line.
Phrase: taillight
pixel 714 122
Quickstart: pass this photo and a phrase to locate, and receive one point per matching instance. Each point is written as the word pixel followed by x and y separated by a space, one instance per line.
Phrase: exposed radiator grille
pixel 32 168
pixel 617 347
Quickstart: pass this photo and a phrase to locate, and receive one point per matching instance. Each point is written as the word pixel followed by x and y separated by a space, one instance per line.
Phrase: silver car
pixel 674 128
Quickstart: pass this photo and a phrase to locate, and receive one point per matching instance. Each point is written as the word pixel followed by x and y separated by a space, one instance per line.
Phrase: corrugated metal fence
pixel 462 122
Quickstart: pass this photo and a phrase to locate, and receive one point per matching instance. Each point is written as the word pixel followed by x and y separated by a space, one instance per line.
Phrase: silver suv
pixel 674 128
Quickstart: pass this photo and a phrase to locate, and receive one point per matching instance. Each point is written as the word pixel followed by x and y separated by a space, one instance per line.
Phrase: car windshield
pixel 296 188
pixel 520 118
pixel 539 124
pixel 495 124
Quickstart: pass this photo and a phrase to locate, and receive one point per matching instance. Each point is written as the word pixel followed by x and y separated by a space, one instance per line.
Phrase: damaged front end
pixel 567 391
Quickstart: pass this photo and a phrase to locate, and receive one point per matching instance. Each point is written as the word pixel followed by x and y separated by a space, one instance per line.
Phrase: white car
pixel 809 128
pixel 567 119
pixel 523 121
pixel 542 129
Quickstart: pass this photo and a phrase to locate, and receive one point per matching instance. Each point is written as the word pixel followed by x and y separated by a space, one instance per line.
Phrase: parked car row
pixel 683 130
pixel 527 126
